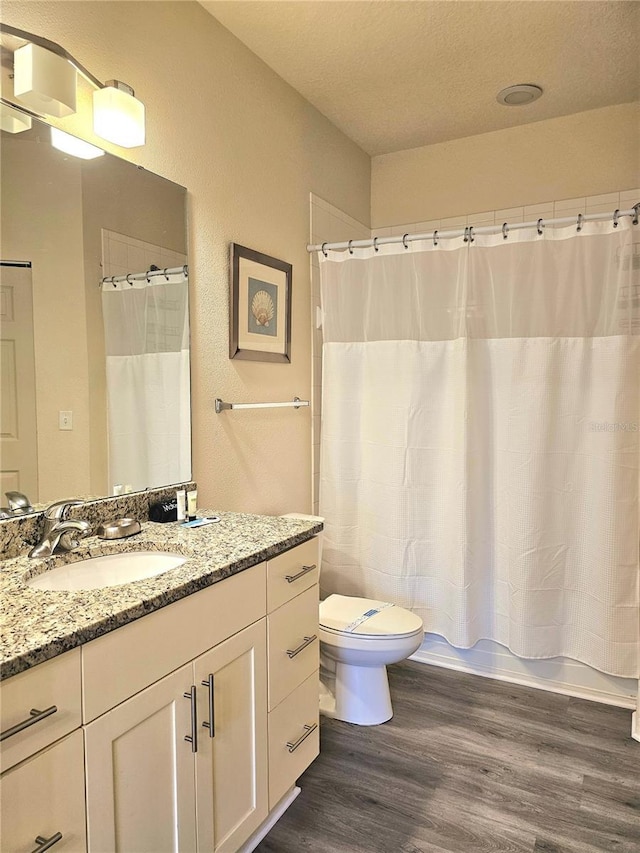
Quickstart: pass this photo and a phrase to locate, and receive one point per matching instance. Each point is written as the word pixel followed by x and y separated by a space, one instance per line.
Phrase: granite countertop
pixel 38 625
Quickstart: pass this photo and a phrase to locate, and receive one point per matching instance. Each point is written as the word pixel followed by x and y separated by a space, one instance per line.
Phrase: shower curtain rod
pixel 141 276
pixel 470 231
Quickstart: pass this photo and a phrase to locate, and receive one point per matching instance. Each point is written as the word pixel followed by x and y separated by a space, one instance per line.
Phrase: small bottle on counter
pixel 192 504
pixel 181 498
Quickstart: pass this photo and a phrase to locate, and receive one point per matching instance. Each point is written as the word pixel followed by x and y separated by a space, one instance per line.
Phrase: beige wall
pixel 584 154
pixel 249 150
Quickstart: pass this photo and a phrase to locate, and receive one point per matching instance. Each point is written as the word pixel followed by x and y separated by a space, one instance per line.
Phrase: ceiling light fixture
pixel 45 77
pixel 72 145
pixel 520 95
pixel 118 116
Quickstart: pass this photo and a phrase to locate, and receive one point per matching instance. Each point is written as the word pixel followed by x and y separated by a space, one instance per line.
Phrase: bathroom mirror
pixel 66 224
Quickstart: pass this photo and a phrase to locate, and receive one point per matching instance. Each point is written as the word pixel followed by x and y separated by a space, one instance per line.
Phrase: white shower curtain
pixel 146 327
pixel 480 437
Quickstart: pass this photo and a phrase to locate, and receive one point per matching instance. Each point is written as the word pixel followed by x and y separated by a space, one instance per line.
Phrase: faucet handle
pixel 58 509
pixel 18 502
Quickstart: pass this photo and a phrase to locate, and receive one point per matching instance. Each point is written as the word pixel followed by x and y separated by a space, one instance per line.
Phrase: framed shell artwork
pixel 260 306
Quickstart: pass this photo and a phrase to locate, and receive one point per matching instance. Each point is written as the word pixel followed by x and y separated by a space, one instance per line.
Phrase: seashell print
pixel 262 308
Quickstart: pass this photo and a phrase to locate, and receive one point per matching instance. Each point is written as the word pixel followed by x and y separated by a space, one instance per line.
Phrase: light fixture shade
pixel 44 81
pixel 13 121
pixel 74 146
pixel 118 116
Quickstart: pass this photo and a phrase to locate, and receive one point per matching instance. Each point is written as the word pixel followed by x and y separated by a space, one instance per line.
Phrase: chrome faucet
pixel 59 532
pixel 17 504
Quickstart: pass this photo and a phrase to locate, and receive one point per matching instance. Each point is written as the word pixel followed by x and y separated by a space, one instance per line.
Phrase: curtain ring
pixel 471 237
pixel 129 282
pixel 616 215
pixel 113 281
pixel 540 226
pixel 165 273
pixel 324 251
pixel 375 244
pixel 636 207
pixel 579 226
pixel 435 238
pixel 466 235
pixel 185 271
pixel 350 249
pixel 147 276
pixel 404 241
pixel 505 230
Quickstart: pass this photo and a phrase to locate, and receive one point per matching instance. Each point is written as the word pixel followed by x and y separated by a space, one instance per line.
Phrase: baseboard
pixel 558 675
pixel 272 818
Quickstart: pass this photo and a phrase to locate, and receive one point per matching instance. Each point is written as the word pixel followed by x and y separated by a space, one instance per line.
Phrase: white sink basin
pixel 112 570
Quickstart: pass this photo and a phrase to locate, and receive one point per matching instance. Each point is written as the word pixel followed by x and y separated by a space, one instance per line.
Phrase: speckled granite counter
pixel 38 625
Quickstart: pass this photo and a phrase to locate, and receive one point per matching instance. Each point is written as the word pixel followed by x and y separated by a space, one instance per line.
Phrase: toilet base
pixel 359 695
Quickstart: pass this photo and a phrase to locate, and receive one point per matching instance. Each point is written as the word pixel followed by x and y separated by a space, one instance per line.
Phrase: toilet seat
pixel 348 616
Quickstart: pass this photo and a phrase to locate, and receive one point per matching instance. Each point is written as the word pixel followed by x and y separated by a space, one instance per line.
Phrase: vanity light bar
pixel 296 403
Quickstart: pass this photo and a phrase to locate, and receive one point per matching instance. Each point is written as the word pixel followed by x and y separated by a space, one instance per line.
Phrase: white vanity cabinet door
pixel 140 776
pixel 44 797
pixel 231 766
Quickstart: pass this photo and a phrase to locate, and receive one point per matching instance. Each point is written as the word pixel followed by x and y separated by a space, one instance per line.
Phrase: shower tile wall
pixel 122 254
pixel 328 224
pixel 605 203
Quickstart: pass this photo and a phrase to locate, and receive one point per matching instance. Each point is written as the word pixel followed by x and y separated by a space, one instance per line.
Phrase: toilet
pixel 359 637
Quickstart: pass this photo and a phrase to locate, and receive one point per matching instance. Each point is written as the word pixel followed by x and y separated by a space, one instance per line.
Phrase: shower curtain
pixel 146 325
pixel 480 437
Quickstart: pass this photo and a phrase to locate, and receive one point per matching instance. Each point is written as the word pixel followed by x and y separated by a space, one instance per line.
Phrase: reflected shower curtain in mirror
pixel 480 437
pixel 146 325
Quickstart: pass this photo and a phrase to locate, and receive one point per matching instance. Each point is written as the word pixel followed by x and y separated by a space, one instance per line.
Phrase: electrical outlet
pixel 65 420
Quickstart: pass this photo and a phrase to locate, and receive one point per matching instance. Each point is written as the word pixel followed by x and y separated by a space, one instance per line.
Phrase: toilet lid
pixel 346 614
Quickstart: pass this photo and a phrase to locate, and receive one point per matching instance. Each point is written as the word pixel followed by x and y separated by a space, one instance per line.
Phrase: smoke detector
pixel 520 95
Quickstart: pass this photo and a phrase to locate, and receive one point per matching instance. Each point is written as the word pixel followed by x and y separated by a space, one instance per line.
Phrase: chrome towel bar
pixel 296 403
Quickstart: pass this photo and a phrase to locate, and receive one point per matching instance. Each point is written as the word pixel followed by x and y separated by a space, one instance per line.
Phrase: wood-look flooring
pixel 470 765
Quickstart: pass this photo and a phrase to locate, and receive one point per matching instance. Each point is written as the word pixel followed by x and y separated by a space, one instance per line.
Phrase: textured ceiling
pixel 396 75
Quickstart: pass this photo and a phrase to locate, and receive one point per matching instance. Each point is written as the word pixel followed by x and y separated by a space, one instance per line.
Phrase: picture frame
pixel 259 306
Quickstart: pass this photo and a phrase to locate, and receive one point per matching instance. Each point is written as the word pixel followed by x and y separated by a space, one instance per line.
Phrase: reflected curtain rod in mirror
pixel 45 82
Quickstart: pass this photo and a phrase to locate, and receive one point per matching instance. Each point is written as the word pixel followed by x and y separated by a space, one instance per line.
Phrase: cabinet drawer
pixel 291 573
pixel 294 738
pixel 52 684
pixel 44 796
pixel 126 661
pixel 292 637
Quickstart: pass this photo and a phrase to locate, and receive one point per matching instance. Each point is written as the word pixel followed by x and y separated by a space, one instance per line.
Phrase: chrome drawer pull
pixel 35 717
pixel 307 642
pixel 211 725
pixel 304 571
pixel 193 737
pixel 307 731
pixel 46 843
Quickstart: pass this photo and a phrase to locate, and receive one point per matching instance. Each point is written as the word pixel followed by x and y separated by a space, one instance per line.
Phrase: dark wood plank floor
pixel 470 765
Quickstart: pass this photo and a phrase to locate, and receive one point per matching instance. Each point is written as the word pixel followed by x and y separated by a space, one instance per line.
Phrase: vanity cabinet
pixel 180 731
